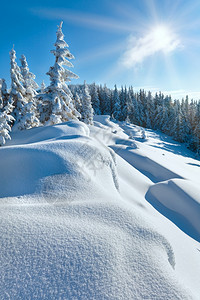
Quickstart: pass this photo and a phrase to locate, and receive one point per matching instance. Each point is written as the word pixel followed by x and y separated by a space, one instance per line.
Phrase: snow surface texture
pixel 78 218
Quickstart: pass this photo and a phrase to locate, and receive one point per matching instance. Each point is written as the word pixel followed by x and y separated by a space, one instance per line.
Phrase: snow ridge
pixel 76 218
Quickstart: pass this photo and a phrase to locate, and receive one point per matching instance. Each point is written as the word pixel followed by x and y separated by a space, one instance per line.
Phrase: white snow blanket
pixel 109 211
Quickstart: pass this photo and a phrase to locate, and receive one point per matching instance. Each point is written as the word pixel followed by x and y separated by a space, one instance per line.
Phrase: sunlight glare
pixel 162 36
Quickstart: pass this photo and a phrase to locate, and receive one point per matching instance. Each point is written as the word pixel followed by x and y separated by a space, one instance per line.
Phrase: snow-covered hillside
pixel 109 211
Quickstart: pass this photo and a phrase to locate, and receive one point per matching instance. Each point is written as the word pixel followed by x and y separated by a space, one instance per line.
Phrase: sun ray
pixel 173 75
pixel 87 19
pixel 99 53
pixel 152 9
pixel 145 35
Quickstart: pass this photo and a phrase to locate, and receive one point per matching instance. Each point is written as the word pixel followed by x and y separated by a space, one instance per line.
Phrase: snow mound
pixel 95 251
pixel 66 155
pixel 179 200
pixel 75 223
pixel 46 133
pixel 150 168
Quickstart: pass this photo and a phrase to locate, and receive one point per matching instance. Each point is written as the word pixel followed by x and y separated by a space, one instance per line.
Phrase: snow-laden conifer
pixel 56 104
pixel 135 118
pixel 95 99
pixel 87 111
pixel 43 86
pixel 6 119
pixel 17 92
pixel 130 109
pixel 77 103
pixel 1 98
pixel 117 106
pixel 28 79
pixel 124 99
pixel 4 93
pixel 149 109
pixel 28 117
pixel 197 138
pixel 106 101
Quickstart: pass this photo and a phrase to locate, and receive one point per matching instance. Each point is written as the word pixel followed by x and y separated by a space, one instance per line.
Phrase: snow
pixel 98 212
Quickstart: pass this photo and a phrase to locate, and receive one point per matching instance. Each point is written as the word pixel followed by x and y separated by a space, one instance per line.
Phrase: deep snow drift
pixel 105 212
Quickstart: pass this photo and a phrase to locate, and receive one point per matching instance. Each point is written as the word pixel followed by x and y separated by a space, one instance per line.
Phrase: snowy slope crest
pixel 76 222
pixel 54 160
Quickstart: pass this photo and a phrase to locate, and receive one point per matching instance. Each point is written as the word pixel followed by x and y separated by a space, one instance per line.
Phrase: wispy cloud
pixel 140 48
pixel 86 19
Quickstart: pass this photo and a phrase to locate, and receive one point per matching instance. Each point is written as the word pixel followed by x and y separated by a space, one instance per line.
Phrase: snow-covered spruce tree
pixel 29 115
pixel 17 92
pixel 4 93
pixel 149 109
pixel 124 99
pixel 177 121
pixel 142 106
pixel 101 98
pixel 1 98
pixel 129 107
pixel 106 104
pixel 87 111
pixel 196 132
pixel 135 116
pixel 117 106
pixel 95 99
pixel 5 123
pixel 77 103
pixel 28 79
pixel 56 104
pixel 43 86
pixel 164 117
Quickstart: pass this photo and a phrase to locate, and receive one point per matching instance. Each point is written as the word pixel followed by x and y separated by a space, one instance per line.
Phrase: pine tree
pixel 196 132
pixel 117 106
pixel 105 100
pixel 17 92
pixel 4 93
pixel 164 118
pixel 29 115
pixel 135 116
pixel 6 119
pixel 149 110
pixel 124 100
pixel 28 79
pixel 28 118
pixel 43 86
pixel 184 128
pixel 148 120
pixel 112 102
pixel 177 122
pixel 101 98
pixel 129 106
pixel 56 104
pixel 87 111
pixel 197 139
pixel 1 98
pixel 77 103
pixel 95 99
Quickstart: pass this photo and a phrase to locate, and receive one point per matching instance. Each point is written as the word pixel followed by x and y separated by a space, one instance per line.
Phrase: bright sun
pixel 162 36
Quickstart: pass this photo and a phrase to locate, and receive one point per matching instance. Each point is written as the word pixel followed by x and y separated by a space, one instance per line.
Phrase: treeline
pixel 179 119
pixel 25 105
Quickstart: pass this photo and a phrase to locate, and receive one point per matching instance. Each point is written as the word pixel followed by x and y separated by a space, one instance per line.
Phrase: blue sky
pixel 150 44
